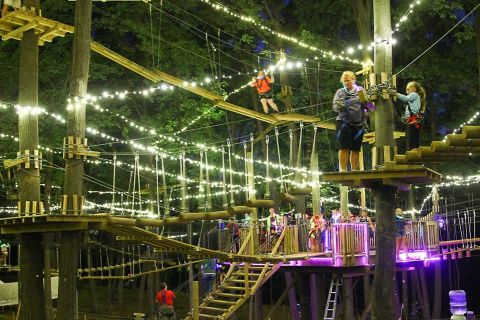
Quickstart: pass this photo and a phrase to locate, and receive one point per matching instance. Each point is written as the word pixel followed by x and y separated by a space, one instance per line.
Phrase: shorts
pixel 349 137
pixel 265 95
pixel 13 3
pixel 401 233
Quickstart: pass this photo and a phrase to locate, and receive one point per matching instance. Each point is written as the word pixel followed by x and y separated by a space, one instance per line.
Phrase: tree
pixel 70 247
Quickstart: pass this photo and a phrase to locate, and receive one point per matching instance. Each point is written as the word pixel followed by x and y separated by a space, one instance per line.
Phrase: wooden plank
pixel 21 30
pixel 41 227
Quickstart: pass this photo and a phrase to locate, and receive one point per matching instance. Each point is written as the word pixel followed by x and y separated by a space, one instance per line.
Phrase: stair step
pixel 241 281
pixel 230 303
pixel 233 288
pixel 257 267
pixel 207 316
pixel 213 309
pixel 243 274
pixel 224 294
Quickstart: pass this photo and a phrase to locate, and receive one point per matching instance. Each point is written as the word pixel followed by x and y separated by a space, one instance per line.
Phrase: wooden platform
pixel 14 24
pixel 400 176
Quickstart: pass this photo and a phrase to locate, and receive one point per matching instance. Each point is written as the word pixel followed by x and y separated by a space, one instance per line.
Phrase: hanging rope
pixel 224 178
pixel 299 153
pixel 151 34
pixel 247 193
pixel 137 159
pixel 113 183
pixel 157 185
pixel 229 146
pixel 282 183
pixel 166 203
pixel 267 168
pixel 200 181
pixel 290 157
pixel 159 31
pixel 134 183
pixel 208 203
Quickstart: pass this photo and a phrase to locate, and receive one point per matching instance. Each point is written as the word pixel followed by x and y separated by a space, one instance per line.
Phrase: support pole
pixel 363 194
pixel 196 300
pixel 292 299
pixel 251 196
pixel 31 291
pixel 348 298
pixel 74 168
pixel 383 304
pixel 259 304
pixel 314 312
pixel 405 294
pixel 316 199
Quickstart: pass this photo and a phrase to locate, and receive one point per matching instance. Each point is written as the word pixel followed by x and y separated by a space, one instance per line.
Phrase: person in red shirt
pixel 165 300
pixel 263 85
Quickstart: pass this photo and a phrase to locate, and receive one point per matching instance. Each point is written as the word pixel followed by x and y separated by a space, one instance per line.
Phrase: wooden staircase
pixel 241 281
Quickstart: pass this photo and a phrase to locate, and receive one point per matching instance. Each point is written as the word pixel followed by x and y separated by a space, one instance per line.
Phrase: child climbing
pixel 263 85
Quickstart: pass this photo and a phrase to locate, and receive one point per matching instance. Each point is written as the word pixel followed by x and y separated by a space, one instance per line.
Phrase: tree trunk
pixel 383 302
pixel 31 294
pixel 70 242
pixel 477 43
pixel 47 242
pixel 362 10
pixel 437 292
pixel 383 306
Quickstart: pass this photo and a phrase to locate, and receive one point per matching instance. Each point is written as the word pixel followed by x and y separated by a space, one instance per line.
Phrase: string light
pixel 325 54
pixel 472 118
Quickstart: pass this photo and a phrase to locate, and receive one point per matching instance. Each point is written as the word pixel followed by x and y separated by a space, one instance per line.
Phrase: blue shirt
pixel 413 99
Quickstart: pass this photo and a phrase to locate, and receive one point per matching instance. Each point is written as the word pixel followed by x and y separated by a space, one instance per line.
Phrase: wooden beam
pixel 42 227
pixel 261 203
pixel 14 33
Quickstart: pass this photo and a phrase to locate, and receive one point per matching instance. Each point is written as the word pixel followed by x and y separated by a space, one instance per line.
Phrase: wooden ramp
pixel 15 23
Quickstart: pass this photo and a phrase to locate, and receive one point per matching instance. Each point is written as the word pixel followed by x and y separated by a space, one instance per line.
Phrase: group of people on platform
pixel 318 226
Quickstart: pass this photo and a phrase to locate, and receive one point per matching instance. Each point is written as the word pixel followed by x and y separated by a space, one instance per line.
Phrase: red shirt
pixel 165 297
pixel 262 85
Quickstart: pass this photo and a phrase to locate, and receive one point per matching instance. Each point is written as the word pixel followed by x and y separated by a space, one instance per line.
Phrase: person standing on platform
pixel 364 218
pixel 7 4
pixel 349 102
pixel 401 236
pixel 313 233
pixel 264 89
pixel 234 232
pixel 165 299
pixel 273 222
pixel 414 109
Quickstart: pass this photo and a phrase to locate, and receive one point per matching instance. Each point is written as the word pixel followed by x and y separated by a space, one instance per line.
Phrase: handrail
pixel 279 241
pixel 240 251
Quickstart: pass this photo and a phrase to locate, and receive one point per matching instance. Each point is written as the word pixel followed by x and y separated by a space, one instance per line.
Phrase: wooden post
pixel 316 199
pixel 314 312
pixel 292 299
pixel 383 306
pixel 383 303
pixel 366 290
pixel 196 299
pixel 363 194
pixel 347 298
pixel 424 293
pixel 252 196
pixel 31 291
pixel 344 202
pixel 405 294
pixel 70 246
pixel 258 304
pixel 437 292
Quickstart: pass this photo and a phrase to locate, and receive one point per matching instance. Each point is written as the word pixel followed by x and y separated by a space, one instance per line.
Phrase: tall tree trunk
pixel 362 10
pixel 31 294
pixel 70 242
pixel 477 43
pixel 384 283
pixel 47 242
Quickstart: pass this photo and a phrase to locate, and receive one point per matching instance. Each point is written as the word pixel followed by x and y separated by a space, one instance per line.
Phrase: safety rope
pixel 282 183
pixel 267 167
pixel 113 182
pixel 134 183
pixel 224 179
pixel 229 146
pixel 208 201
pixel 247 192
pixel 137 159
pixel 299 152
